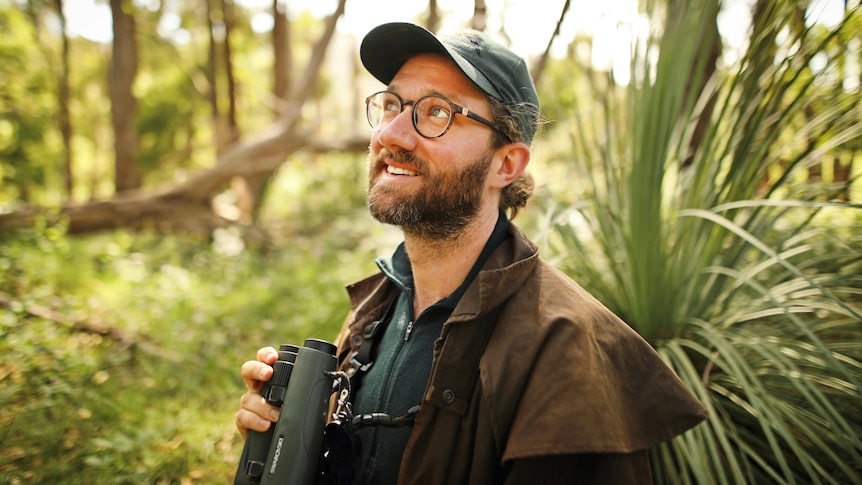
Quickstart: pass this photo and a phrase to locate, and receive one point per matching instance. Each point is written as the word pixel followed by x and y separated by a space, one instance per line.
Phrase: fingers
pixel 267 355
pixel 255 413
pixel 256 373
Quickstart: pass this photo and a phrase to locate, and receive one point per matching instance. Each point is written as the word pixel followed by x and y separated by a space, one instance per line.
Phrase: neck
pixel 440 266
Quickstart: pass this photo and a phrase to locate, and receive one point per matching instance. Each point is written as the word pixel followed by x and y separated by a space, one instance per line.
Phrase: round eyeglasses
pixel 432 113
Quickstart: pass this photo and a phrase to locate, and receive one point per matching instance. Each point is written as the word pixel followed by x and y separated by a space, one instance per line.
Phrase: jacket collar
pixel 503 273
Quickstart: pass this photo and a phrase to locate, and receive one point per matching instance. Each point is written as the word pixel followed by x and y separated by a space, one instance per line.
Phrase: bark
pixel 63 118
pixel 220 64
pixel 124 66
pixel 212 94
pixel 281 53
pixel 232 126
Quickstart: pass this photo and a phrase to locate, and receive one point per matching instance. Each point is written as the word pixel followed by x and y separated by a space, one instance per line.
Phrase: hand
pixel 255 413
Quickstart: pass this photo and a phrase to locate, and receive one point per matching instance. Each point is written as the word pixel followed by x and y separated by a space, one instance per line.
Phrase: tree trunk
pixel 232 134
pixel 63 118
pixel 124 66
pixel 480 16
pixel 248 190
pixel 281 54
pixel 433 22
pixel 219 63
pixel 710 45
pixel 211 71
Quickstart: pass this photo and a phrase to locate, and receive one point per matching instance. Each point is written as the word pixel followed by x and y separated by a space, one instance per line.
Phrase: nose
pixel 399 132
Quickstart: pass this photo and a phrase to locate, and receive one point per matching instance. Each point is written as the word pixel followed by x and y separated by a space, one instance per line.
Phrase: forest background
pixel 188 186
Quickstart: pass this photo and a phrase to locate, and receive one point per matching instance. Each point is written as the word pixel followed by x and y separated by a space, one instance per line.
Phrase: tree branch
pixel 539 66
pixel 124 339
pixel 305 87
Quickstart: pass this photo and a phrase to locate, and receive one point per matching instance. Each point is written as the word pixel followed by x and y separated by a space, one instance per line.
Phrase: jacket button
pixel 356 340
pixel 448 396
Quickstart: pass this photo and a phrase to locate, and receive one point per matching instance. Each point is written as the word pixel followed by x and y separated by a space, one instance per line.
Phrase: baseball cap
pixel 494 68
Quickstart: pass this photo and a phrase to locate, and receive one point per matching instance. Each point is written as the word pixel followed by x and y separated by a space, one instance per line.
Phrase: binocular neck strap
pixel 383 419
pixel 361 361
pixel 344 413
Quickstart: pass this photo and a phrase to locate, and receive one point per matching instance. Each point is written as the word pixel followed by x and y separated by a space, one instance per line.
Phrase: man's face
pixel 431 187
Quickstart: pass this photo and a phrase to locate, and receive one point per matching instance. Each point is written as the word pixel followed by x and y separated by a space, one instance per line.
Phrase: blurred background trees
pixel 191 187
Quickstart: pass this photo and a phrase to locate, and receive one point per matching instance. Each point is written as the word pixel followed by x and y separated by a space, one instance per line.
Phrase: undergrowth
pixel 120 353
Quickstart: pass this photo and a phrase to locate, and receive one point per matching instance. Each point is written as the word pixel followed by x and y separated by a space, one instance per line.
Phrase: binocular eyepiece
pixel 289 452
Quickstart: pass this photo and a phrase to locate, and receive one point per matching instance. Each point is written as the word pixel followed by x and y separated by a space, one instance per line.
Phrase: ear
pixel 509 162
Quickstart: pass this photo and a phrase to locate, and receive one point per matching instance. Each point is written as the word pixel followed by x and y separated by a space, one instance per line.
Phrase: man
pixel 520 375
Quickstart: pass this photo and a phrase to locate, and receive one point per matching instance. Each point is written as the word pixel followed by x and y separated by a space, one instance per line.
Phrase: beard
pixel 446 204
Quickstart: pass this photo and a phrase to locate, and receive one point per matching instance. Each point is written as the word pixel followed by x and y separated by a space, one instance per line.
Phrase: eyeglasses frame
pixel 456 109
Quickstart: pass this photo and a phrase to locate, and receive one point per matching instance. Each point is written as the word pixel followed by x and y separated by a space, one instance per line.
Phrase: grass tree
pixel 699 221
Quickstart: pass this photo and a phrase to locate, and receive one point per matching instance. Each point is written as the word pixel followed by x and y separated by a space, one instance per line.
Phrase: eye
pixel 436 109
pixel 439 112
pixel 391 105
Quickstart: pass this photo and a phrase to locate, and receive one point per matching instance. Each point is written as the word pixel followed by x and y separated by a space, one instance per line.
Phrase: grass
pixel 153 401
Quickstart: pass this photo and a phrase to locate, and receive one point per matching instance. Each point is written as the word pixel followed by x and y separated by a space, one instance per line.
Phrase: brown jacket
pixel 532 379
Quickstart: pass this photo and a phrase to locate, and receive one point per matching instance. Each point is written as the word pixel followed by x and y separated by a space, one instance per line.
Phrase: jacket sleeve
pixel 594 469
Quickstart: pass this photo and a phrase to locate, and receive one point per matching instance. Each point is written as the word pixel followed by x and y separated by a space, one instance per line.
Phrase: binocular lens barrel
pixel 252 461
pixel 297 443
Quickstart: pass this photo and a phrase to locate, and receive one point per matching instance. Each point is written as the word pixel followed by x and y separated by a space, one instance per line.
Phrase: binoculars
pixel 290 451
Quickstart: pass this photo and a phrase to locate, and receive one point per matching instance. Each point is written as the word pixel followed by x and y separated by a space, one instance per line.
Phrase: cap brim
pixel 387 47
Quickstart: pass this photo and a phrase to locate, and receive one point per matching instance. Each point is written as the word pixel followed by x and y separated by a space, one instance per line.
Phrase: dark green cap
pixel 494 68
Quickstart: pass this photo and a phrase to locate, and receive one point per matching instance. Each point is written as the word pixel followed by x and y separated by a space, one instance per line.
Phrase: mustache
pixel 402 156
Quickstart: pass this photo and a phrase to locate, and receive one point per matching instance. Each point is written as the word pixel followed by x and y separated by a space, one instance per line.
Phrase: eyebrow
pixel 393 88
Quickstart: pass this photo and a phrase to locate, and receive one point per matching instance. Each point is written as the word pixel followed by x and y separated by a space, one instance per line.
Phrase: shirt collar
pixel 399 270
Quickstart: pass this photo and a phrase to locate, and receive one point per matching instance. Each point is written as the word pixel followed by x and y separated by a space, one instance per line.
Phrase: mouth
pixel 397 165
pixel 393 170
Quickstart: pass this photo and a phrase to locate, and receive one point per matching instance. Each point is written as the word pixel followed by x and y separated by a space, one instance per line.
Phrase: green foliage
pixel 27 108
pixel 165 124
pixel 720 250
pixel 120 353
